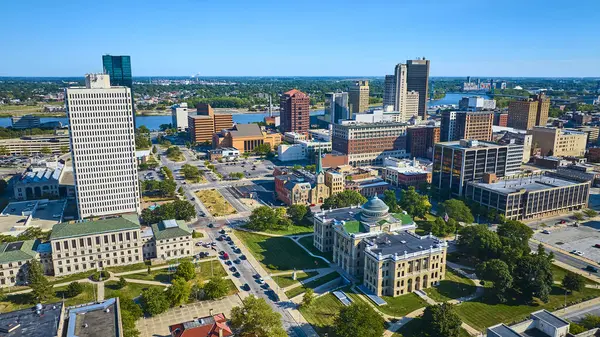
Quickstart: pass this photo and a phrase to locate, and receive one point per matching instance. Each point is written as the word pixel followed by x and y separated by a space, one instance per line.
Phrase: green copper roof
pixel 18 251
pixel 91 227
pixel 162 231
pixel 405 218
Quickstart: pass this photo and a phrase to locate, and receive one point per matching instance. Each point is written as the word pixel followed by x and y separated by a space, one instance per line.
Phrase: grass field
pixel 22 301
pixel 278 253
pixel 131 267
pixel 131 290
pixel 203 272
pixel 70 278
pixel 284 281
pixel 307 242
pixel 215 203
pixel 402 305
pixel 311 285
pixel 414 328
pixel 452 287
pixel 292 230
pixel 322 313
pixel 487 311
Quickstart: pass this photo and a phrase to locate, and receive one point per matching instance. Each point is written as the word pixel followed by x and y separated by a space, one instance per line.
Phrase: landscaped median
pixel 215 203
pixel 311 285
pixel 277 254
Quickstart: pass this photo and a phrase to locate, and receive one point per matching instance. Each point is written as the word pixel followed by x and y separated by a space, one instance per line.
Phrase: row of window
pixel 116 94
pixel 98 239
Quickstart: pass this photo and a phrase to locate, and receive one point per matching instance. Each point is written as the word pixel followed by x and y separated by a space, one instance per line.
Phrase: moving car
pixel 591 269
pixel 545 231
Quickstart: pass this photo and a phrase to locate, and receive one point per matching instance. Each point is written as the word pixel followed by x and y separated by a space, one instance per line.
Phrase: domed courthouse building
pixel 380 248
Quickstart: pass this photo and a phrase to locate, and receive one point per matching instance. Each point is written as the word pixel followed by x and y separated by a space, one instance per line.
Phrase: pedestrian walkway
pixel 424 296
pixel 100 291
pixel 321 272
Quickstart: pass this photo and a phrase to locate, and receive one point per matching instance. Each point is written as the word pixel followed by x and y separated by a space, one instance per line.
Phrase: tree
pixel 174 153
pixel 45 150
pixel 590 321
pixel 578 216
pixel 590 213
pixel 533 276
pixel 480 242
pixel 308 298
pixel 415 204
pixel 441 228
pixel 216 287
pixel 389 197
pixel 154 150
pixel 180 190
pixel 262 149
pixel 130 313
pixel 4 150
pixel 297 213
pixel 255 318
pixel 186 270
pixel 179 291
pixel 457 210
pixel 74 289
pixel 516 235
pixel 357 320
pixel 264 217
pixel 441 320
pixel 573 282
pixel 190 172
pixel 40 287
pixel 346 198
pixel 154 301
pixel 121 283
pixel 497 272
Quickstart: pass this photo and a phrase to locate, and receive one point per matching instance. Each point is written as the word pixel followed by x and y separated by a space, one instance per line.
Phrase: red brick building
pixel 420 141
pixel 295 111
pixel 593 154
pixel 501 119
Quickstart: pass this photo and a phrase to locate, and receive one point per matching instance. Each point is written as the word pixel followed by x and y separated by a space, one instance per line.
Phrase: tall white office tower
pixel 400 92
pixel 103 147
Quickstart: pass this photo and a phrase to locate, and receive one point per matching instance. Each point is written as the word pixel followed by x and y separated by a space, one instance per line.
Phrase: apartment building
pixel 369 143
pixel 421 139
pixel 358 97
pixel 525 114
pixel 101 130
pixel 457 125
pixel 532 197
pixel 83 245
pixel 559 142
pixel 179 116
pixel 456 163
pixel 294 109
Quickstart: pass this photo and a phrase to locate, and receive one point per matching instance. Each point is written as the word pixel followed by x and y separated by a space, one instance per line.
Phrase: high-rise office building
pixel 336 107
pixel 456 163
pixel 411 107
pixel 525 114
pixel 400 88
pixel 294 107
pixel 418 80
pixel 179 116
pixel 205 123
pixel 102 137
pixel 389 92
pixel 457 125
pixel 119 70
pixel 358 96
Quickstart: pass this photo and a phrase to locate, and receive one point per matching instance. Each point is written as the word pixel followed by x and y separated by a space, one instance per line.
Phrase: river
pixel 154 122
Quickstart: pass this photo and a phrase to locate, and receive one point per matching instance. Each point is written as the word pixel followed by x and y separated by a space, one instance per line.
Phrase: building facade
pixel 421 139
pixel 294 107
pixel 418 80
pixel 501 119
pixel 336 107
pixel 525 114
pixel 25 122
pixel 369 143
pixel 245 138
pixel 532 197
pixel 389 92
pixel 457 125
pixel 172 239
pixel 476 103
pixel 559 142
pixel 456 163
pixel 400 89
pixel 32 145
pixel 102 137
pixel 119 70
pixel 358 97
pixel 179 116
pixel 411 107
pixel 14 257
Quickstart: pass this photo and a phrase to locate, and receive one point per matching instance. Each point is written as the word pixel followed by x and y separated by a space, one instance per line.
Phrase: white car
pixel 579 253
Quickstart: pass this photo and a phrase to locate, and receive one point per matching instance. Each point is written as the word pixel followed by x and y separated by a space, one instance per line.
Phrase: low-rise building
pixel 209 326
pixel 593 132
pixel 101 319
pixel 532 197
pixel 559 142
pixel 378 248
pixel 79 246
pixel 294 137
pixel 25 122
pixel 31 145
pixel 301 150
pixel 414 174
pixel 41 320
pixel 300 187
pixel 14 257
pixel 43 181
pixel 226 153
pixel 245 138
pixel 368 187
pixel 172 240
pixel 593 154
pixel 541 324
pixel 18 216
pixel 321 135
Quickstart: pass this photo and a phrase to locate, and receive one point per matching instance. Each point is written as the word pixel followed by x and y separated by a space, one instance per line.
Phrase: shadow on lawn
pixel 283 254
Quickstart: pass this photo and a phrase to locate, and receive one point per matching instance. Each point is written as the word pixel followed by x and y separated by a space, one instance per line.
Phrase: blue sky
pixel 301 38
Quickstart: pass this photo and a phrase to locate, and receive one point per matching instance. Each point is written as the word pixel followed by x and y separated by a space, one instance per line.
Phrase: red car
pixel 226 256
pixel 597 245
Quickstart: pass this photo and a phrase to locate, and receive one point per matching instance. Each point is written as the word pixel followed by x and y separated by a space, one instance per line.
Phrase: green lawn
pixel 462 259
pixel 487 311
pixel 22 301
pixel 203 272
pixel 312 284
pixel 307 242
pixel 131 267
pixel 322 313
pixel 402 305
pixel 71 278
pixel 414 328
pixel 278 253
pixel 131 290
pixel 452 287
pixel 292 230
pixel 287 280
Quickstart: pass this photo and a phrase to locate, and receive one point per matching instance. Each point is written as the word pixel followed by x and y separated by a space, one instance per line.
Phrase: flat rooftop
pixel 34 213
pixel 95 320
pixel 549 318
pixel 476 144
pixel 532 183
pixel 28 323
pixel 502 330
pixel 408 170
pixel 390 243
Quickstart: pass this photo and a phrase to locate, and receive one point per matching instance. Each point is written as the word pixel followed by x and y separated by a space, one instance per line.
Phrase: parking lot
pixel 250 168
pixel 582 238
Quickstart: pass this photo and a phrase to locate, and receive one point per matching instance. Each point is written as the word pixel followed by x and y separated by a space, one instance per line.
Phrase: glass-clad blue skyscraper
pixel 119 70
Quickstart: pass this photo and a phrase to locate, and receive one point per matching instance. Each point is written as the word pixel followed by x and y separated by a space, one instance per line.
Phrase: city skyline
pixel 466 38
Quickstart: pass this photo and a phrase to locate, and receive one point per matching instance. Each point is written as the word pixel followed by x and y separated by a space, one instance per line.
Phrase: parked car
pixel 226 256
pixel 246 287
pixel 545 231
pixel 597 245
pixel 237 261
